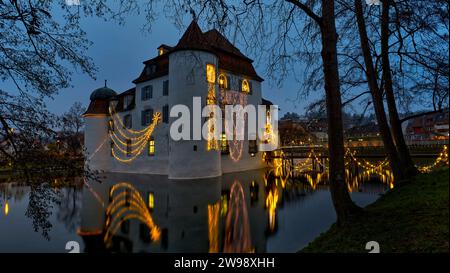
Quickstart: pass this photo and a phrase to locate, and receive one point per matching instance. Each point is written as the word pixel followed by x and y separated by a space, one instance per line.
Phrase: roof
pixel 102 93
pixel 230 58
pixel 101 106
pixel 266 102
pixel 97 107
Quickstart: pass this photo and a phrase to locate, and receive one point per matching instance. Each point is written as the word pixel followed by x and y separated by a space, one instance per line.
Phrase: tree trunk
pixel 389 146
pixel 397 133
pixel 343 204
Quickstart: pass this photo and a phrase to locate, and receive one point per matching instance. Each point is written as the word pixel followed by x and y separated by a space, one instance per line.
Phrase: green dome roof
pixel 102 93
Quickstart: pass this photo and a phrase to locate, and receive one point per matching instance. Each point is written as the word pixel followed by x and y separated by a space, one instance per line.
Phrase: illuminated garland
pixel 443 157
pixel 128 205
pixel 212 143
pixel 235 98
pixel 139 140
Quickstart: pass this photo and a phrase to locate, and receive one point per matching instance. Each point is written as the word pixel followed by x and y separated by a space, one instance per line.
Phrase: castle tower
pixel 188 62
pixel 96 138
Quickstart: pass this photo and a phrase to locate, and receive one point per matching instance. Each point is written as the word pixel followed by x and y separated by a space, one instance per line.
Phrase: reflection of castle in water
pixel 233 213
pixel 183 212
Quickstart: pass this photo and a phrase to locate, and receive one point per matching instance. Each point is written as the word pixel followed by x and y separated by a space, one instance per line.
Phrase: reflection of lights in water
pixel 213 227
pixel 94 193
pixel 237 224
pixel 126 205
pixel 271 206
pixel 6 208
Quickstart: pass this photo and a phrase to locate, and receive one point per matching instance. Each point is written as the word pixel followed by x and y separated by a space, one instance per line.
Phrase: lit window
pixel 161 51
pixel 223 83
pixel 245 86
pixel 151 146
pixel 210 73
pixel 151 201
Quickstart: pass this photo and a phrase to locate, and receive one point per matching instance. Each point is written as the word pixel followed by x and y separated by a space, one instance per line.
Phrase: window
pixel 127 101
pixel 224 144
pixel 146 117
pixel 165 114
pixel 151 69
pixel 151 146
pixel 147 92
pixel 151 200
pixel 223 82
pixel 144 233
pixel 127 121
pixel 165 88
pixel 252 147
pixel 245 86
pixel 129 147
pixel 210 73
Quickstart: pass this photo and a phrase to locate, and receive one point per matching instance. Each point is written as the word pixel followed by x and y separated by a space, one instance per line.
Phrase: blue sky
pixel 118 52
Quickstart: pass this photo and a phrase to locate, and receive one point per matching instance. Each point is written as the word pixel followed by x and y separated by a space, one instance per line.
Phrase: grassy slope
pixel 413 217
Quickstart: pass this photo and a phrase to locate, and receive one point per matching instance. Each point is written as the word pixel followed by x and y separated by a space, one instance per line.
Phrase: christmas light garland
pixel 135 141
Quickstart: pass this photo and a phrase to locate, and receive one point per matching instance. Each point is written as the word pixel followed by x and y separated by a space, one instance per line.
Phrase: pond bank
pixel 413 217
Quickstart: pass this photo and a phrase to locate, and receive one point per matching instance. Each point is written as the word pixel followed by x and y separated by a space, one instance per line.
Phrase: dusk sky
pixel 118 52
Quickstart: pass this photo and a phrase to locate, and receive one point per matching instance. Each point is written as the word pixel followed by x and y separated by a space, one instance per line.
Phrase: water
pixel 239 212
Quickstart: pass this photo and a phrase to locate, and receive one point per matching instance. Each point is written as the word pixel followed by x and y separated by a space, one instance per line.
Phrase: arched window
pixel 245 86
pixel 223 83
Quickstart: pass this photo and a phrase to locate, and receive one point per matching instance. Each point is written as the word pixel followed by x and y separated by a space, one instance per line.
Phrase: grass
pixel 411 218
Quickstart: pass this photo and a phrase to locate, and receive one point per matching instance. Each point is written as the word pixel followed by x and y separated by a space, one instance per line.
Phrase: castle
pixel 129 132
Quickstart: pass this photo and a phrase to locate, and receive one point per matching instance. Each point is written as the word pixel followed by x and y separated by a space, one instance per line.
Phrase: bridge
pixel 320 151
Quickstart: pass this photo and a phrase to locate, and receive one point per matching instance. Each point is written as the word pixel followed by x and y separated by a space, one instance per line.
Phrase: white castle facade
pixel 120 135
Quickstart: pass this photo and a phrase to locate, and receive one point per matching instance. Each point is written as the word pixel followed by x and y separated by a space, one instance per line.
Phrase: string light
pixel 443 157
pixel 141 139
pixel 235 98
pixel 212 143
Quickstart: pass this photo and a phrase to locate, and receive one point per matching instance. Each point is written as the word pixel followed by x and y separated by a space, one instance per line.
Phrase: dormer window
pixel 127 101
pixel 163 49
pixel 151 69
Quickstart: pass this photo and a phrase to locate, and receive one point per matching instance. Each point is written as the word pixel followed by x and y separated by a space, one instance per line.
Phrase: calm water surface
pixel 239 212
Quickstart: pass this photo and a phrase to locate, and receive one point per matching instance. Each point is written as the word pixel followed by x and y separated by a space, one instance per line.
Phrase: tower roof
pixel 102 93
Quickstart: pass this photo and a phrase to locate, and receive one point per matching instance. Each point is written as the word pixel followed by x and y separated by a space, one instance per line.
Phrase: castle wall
pixel 187 79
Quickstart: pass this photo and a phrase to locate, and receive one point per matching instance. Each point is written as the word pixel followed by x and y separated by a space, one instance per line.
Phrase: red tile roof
pixel 230 58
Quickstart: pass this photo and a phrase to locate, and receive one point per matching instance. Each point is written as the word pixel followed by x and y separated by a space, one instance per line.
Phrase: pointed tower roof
pixel 193 38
